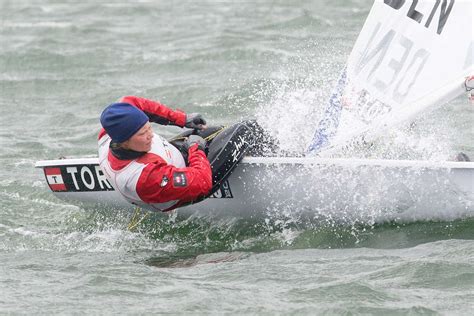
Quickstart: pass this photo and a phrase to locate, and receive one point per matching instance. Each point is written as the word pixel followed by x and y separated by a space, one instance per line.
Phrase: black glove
pixel 195 121
pixel 194 139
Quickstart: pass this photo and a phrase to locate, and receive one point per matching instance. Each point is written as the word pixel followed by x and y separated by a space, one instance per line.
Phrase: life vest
pixel 124 175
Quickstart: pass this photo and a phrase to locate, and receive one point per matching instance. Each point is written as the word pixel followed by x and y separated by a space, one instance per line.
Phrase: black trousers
pixel 226 146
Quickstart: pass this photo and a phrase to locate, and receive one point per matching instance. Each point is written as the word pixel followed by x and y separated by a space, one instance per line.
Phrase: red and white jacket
pixel 158 180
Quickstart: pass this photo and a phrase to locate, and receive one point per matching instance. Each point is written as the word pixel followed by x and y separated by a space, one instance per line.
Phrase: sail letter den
pixel 417 16
pixel 396 75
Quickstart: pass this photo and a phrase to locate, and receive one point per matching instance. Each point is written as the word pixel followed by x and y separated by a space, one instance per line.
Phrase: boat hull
pixel 351 190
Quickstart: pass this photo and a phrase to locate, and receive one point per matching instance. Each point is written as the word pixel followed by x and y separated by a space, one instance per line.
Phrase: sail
pixel 409 56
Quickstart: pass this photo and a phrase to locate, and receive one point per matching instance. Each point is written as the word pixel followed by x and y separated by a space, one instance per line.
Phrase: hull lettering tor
pixel 87 178
pixel 75 178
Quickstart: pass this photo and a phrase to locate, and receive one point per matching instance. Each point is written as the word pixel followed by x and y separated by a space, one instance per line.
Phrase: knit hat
pixel 122 120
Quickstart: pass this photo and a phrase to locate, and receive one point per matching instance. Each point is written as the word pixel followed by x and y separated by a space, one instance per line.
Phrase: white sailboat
pixel 409 56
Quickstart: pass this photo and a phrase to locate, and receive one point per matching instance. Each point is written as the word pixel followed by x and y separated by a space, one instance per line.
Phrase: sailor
pixel 144 167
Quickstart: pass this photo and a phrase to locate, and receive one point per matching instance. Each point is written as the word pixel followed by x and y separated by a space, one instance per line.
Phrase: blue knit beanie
pixel 122 120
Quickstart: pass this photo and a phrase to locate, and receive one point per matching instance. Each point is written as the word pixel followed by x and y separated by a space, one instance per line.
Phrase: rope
pixel 135 221
pixel 208 138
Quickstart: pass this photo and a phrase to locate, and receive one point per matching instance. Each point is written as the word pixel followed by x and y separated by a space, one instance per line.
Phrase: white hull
pixel 341 189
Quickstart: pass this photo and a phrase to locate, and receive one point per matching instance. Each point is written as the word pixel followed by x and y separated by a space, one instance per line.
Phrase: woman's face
pixel 141 140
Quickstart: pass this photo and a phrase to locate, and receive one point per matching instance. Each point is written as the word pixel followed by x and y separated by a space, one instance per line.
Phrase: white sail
pixel 409 56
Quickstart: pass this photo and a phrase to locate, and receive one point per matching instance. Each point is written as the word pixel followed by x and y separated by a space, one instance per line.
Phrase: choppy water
pixel 62 62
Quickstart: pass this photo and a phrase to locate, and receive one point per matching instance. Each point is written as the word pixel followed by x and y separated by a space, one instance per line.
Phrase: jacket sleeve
pixel 157 112
pixel 161 182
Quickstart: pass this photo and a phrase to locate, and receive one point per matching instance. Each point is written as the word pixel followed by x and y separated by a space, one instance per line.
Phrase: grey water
pixel 62 62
